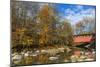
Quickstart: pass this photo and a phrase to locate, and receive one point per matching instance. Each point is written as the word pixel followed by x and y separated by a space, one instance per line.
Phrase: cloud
pixel 79 7
pixel 88 12
pixel 74 16
pixel 69 11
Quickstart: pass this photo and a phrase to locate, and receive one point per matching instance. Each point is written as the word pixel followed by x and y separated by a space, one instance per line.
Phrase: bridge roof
pixel 80 39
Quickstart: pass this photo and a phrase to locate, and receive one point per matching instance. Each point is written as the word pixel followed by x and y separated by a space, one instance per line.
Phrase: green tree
pixel 66 33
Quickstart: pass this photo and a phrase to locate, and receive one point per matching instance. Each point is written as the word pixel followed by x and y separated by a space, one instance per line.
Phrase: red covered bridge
pixel 83 38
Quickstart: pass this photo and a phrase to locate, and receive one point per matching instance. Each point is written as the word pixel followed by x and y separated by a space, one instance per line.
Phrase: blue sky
pixel 71 12
pixel 75 13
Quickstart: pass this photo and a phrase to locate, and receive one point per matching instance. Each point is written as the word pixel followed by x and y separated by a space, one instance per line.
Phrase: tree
pixel 86 25
pixel 42 28
pixel 45 22
pixel 23 25
pixel 66 33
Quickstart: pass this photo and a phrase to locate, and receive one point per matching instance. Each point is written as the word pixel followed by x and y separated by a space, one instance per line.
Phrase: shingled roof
pixel 83 38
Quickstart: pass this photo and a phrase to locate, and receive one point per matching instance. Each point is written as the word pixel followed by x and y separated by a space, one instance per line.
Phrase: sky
pixel 75 13
pixel 72 12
